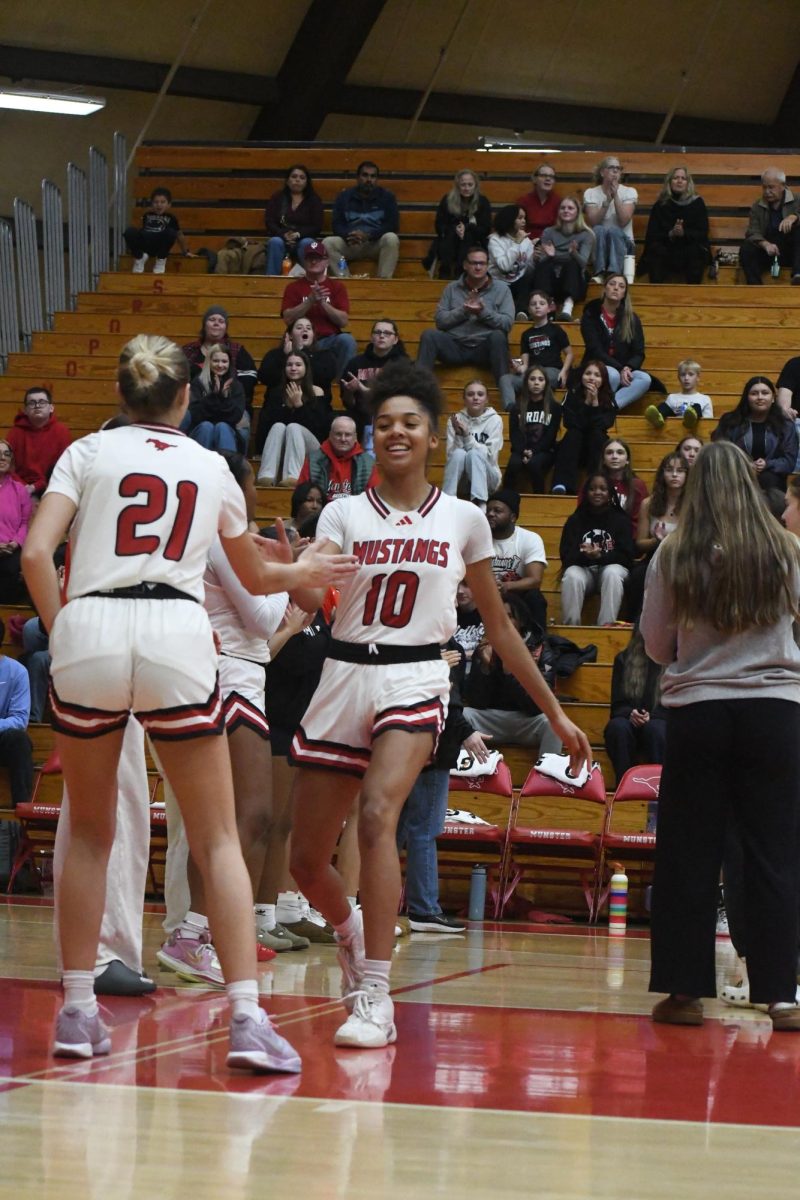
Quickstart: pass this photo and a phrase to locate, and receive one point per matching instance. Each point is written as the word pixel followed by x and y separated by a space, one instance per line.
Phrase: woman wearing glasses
pixel 608 208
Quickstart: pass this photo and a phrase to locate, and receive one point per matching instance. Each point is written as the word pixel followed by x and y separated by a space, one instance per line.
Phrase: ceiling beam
pixel 24 66
pixel 324 51
pixel 516 114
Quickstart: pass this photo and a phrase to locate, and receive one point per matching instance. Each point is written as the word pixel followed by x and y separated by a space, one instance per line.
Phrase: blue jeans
pixel 421 820
pixel 217 436
pixel 277 251
pixel 343 346
pixel 638 386
pixel 37 664
pixel 610 247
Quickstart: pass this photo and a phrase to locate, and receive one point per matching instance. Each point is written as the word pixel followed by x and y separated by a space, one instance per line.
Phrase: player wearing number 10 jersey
pixel 143 505
pixel 374 719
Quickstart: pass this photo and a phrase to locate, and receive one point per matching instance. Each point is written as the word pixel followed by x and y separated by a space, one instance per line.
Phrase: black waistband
pixel 145 591
pixel 371 654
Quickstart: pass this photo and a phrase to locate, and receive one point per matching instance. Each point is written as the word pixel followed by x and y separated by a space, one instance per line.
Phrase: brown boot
pixel 673 1010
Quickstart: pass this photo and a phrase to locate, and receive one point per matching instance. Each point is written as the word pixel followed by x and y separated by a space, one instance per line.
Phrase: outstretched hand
pixel 315 569
pixel 272 549
pixel 575 741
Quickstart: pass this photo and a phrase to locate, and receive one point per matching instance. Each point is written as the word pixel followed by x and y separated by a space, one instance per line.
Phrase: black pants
pixel 677 257
pixel 12 586
pixel 754 261
pixel 521 291
pixel 140 241
pixel 578 448
pixel 569 280
pixel 740 757
pixel 528 476
pixel 16 755
pixel 634 590
pixel 626 744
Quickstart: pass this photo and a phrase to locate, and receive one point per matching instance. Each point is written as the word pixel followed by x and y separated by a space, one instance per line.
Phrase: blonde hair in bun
pixel 151 372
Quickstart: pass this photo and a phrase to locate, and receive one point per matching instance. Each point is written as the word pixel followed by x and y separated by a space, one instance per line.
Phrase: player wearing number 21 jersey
pixel 403 595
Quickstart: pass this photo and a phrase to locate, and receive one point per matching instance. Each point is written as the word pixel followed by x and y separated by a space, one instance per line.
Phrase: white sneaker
pixel 351 957
pixel 160 266
pixel 308 913
pixel 370 1024
pixel 138 264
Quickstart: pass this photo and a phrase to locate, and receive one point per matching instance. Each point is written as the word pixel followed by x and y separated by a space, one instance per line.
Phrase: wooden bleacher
pixel 219 190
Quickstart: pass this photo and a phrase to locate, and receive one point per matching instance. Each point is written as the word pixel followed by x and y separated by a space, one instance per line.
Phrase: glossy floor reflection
pixel 525 1063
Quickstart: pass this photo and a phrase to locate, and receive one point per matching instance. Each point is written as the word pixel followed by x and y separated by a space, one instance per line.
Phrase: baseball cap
pixel 316 250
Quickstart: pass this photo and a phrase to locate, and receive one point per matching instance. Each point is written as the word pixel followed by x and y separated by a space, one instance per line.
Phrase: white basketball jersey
pixel 404 593
pixel 150 503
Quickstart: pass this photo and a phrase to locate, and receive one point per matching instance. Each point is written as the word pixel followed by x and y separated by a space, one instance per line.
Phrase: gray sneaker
pixel 257 1046
pixel 80 1034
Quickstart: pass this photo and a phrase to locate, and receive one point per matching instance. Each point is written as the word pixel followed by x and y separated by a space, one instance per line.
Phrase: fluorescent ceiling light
pixel 50 102
pixel 515 148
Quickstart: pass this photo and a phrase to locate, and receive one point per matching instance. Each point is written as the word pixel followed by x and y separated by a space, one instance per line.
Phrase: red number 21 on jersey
pixel 149 510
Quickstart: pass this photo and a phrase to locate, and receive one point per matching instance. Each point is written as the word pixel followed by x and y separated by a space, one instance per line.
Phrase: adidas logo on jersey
pixel 406 520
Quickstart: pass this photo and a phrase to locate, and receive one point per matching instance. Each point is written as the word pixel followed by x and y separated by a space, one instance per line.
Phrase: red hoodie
pixel 338 471
pixel 36 451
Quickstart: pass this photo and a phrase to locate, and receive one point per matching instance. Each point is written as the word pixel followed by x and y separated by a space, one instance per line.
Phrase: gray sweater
pixel 704 664
pixel 498 311
pixel 561 241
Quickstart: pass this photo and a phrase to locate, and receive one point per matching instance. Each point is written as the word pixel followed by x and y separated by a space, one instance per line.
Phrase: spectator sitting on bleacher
pixel 385 346
pixel 613 334
pixel 567 247
pixel 293 218
pixel 688 403
pixel 533 425
pixel 609 207
pixel 469 629
pixel 511 255
pixel 308 500
pixel 340 467
pixel 37 440
pixel 16 752
pixel 216 405
pixel 293 421
pixel 760 427
pixel 493 700
pixel 637 730
pixel 541 203
pixel 213 334
pixel 299 336
pixel 542 345
pixel 473 318
pixel 474 443
pixel 15 513
pixel 588 413
pixel 676 242
pixel 689 447
pixel 326 304
pixel 616 464
pixel 596 553
pixel 773 230
pixel 158 234
pixel 658 518
pixel 463 220
pixel 789 394
pixel 365 221
pixel 519 557
pixel 36 660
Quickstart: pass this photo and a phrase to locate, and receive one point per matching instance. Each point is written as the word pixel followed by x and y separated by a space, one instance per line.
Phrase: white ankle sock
pixel 265 917
pixel 79 990
pixel 194 924
pixel 568 305
pixel 352 901
pixel 243 999
pixel 288 910
pixel 376 974
pixel 348 928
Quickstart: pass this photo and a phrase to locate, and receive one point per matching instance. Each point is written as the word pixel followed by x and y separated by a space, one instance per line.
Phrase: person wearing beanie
pixel 519 557
pixel 213 336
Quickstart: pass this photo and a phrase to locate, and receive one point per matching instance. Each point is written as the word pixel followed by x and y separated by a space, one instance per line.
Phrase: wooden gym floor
pixel 526 1065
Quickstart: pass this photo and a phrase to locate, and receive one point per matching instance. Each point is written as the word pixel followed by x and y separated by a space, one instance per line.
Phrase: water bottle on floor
pixel 477 893
pixel 618 903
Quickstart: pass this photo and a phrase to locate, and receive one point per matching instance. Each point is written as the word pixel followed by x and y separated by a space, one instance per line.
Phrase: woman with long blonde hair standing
pixel 719 612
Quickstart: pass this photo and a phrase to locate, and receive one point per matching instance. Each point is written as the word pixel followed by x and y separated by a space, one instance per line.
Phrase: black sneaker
pixel 435 923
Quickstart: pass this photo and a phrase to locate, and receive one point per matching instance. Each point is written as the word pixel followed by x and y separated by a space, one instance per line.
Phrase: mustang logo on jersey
pixel 159 445
pixel 378 551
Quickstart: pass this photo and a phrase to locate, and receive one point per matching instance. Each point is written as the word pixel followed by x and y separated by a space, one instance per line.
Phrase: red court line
pixel 413 987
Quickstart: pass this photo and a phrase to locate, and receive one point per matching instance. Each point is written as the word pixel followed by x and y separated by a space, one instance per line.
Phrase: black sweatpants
pixel 740 757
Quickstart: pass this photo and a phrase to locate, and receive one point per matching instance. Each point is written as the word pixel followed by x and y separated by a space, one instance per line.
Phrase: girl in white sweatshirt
pixel 474 442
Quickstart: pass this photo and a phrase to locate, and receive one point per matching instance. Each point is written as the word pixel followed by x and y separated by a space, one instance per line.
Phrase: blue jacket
pixel 15 695
pixel 376 214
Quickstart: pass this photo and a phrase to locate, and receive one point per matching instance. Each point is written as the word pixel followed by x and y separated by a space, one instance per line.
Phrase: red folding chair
pixel 463 844
pixel 629 836
pixel 38 820
pixel 554 837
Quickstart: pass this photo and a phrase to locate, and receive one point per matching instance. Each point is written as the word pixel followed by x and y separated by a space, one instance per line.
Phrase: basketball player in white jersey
pixel 143 504
pixel 380 705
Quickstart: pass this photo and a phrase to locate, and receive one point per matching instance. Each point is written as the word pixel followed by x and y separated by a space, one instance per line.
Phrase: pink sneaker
pixel 351 959
pixel 191 958
pixel 257 1046
pixel 80 1034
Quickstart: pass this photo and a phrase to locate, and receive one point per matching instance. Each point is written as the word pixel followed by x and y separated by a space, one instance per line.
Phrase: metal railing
pixel 9 315
pixel 95 227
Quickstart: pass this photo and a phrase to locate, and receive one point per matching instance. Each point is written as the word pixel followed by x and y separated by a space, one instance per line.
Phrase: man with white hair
pixel 773 231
